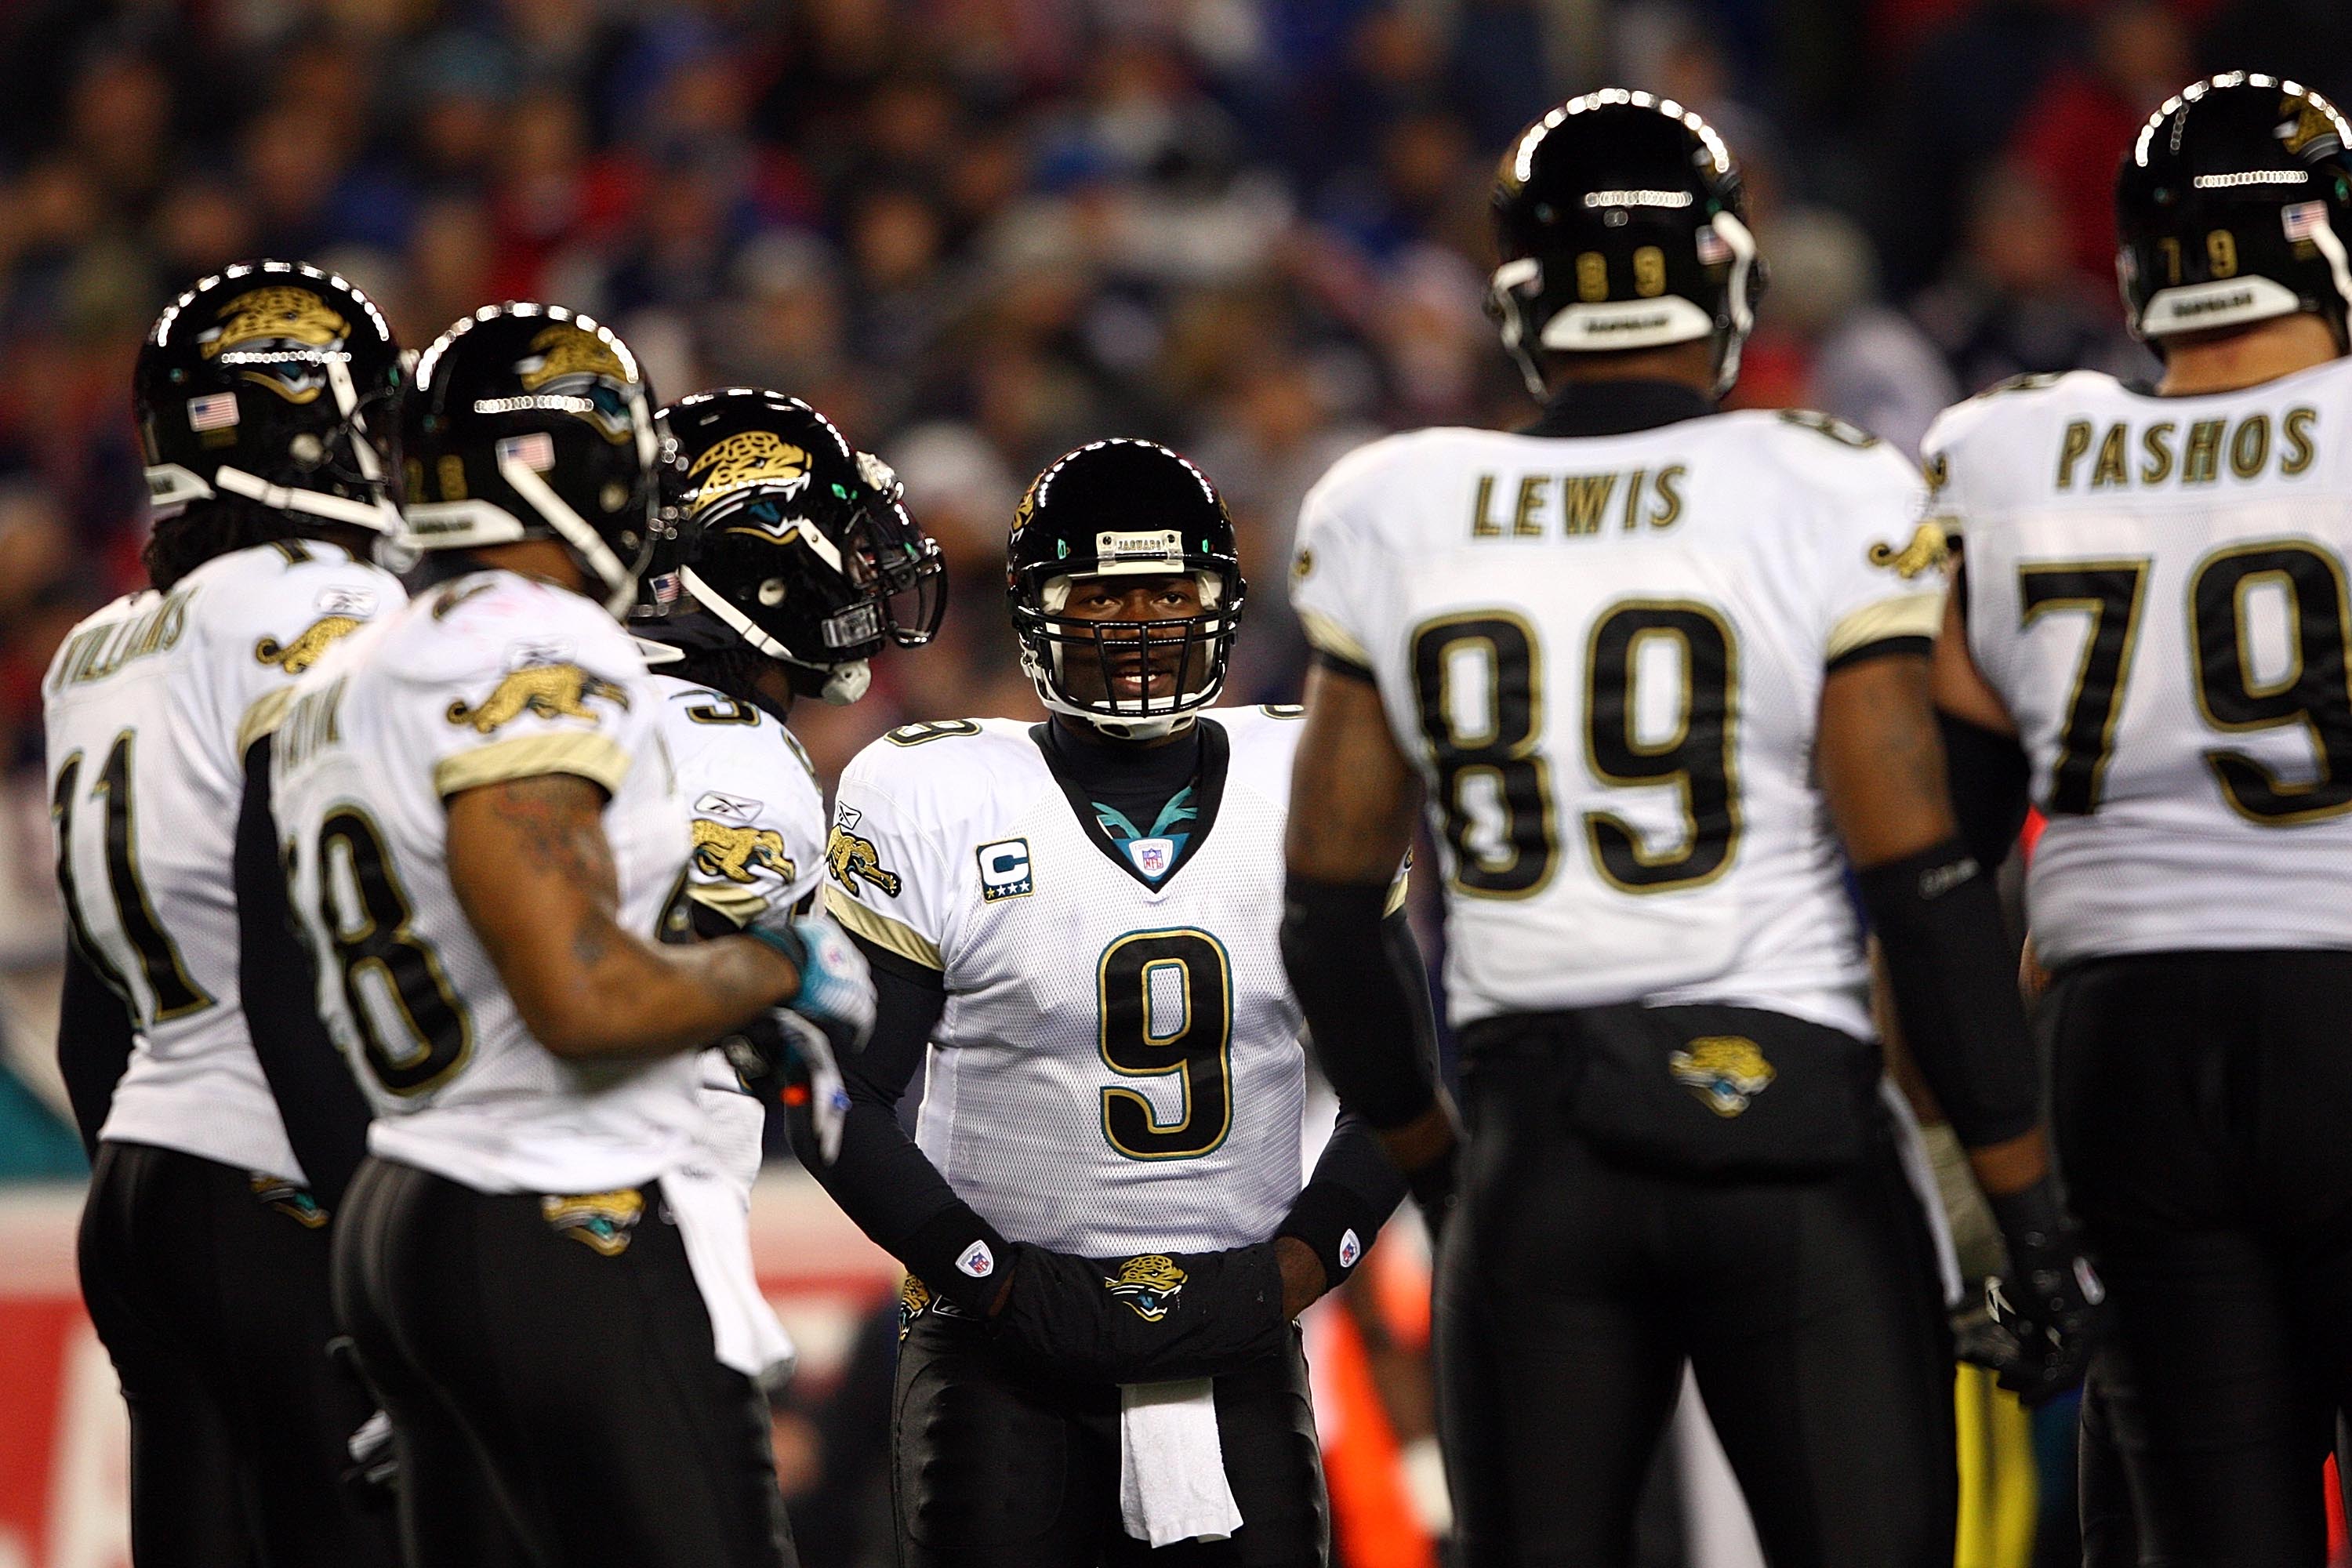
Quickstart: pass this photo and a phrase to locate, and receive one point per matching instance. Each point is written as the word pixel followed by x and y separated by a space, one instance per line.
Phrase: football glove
pixel 1152 1318
pixel 836 991
pixel 786 1060
pixel 2046 1307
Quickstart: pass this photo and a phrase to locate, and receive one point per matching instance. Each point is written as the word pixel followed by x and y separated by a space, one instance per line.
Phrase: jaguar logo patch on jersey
pixel 275 335
pixel 288 1198
pixel 1724 1072
pixel 570 364
pixel 746 458
pixel 1927 552
pixel 734 851
pixel 1148 1284
pixel 304 651
pixel 599 1221
pixel 544 691
pixel 849 857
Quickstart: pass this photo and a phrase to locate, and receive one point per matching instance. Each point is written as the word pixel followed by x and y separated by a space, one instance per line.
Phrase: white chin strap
pixel 1141 726
pixel 843 683
pixel 620 581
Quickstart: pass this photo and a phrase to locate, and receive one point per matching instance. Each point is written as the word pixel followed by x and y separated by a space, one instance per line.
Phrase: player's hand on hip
pixel 1151 1317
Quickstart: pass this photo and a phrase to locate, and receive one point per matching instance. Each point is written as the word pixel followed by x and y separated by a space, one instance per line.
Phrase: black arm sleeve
pixel 881 1179
pixel 1366 1002
pixel 326 1116
pixel 1356 1186
pixel 1988 774
pixel 93 1044
pixel 1954 985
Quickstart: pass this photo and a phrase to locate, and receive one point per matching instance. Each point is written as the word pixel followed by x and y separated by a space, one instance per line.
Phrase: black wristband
pixel 1360 1010
pixel 1339 1225
pixel 2032 1218
pixel 960 1257
pixel 1954 985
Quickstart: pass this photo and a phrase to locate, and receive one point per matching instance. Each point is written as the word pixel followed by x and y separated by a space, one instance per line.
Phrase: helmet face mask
pixel 531 422
pixel 783 538
pixel 277 382
pixel 1620 222
pixel 2234 205
pixel 1116 515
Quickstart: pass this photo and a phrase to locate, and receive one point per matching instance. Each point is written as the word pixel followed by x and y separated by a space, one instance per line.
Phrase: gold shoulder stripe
pixel 596 758
pixel 1905 616
pixel 739 905
pixel 1397 890
pixel 881 930
pixel 262 717
pixel 1330 637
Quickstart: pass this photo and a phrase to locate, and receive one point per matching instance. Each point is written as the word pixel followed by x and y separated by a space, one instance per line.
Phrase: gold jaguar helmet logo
pixel 574 366
pixel 1148 1284
pixel 746 458
pixel 545 691
pixel 2305 121
pixel 1927 552
pixel 1726 1072
pixel 848 858
pixel 599 1221
pixel 279 337
pixel 304 651
pixel 722 849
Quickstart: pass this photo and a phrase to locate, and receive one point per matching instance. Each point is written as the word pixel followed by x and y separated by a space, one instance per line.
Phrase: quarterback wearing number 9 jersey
pixel 1074 924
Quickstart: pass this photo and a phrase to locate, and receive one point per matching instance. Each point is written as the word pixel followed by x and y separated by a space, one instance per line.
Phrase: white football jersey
pixel 2157 589
pixel 1605 656
pixel 488 677
pixel 149 707
pixel 758 827
pixel 1118 1065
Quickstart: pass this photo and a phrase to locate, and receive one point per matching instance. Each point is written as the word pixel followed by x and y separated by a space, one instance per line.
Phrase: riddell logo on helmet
pixel 1625 324
pixel 2238 300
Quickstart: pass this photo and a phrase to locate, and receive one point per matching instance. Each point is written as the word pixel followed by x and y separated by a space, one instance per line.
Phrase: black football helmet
pixel 1621 223
pixel 1112 509
pixel 2234 205
pixel 777 534
pixel 277 383
pixel 532 422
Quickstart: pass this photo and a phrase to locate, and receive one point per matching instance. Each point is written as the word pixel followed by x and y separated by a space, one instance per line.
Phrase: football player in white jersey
pixel 787 564
pixel 2150 633
pixel 1661 673
pixel 1073 927
pixel 485 847
pixel 266 400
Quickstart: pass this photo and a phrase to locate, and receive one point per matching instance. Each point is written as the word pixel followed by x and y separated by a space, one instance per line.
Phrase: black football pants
pixel 211 1297
pixel 997 1466
pixel 2203 1110
pixel 1571 1292
pixel 555 1403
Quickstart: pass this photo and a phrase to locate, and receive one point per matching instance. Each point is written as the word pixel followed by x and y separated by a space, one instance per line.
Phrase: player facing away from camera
pixel 484 850
pixel 1073 925
pixel 2150 638
pixel 786 564
pixel 1661 673
pixel 266 397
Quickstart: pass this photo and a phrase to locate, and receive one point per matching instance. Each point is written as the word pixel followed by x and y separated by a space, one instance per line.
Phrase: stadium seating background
pixel 980 231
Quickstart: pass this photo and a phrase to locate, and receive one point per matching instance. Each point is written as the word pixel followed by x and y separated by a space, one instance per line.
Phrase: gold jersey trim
pixel 1328 637
pixel 741 906
pixel 1907 616
pixel 882 931
pixel 599 759
pixel 263 717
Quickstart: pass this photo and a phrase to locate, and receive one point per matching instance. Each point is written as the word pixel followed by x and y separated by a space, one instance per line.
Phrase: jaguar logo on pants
pixel 1726 1072
pixel 599 1221
pixel 1149 1285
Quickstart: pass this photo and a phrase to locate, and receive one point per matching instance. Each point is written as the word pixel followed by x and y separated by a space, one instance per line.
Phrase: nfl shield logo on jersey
pixel 1153 857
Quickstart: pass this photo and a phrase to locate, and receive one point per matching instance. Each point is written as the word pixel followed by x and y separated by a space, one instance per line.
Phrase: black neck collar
pixel 1083 769
pixel 1619 407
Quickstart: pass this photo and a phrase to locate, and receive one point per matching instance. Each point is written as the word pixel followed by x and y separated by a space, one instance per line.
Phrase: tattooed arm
pixel 534 873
